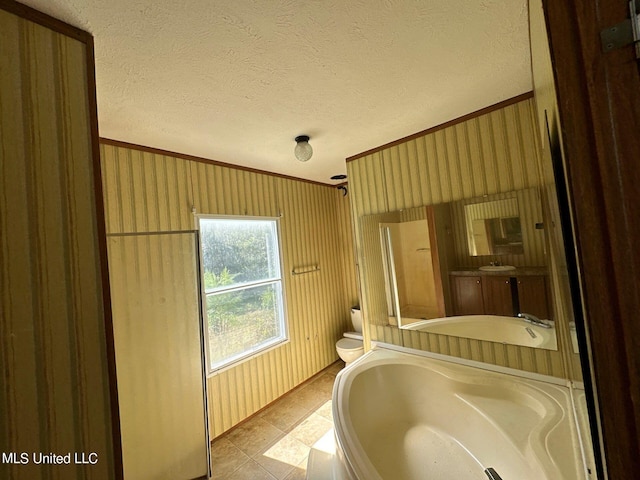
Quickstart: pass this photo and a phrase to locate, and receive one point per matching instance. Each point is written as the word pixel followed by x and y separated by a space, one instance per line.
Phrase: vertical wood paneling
pixel 145 192
pixel 494 153
pixel 423 180
pixel 522 358
pixel 157 335
pixel 460 140
pixel 315 230
pixel 55 394
pixel 413 214
pixel 473 140
pixel 430 157
pixel 227 191
pixel 366 185
pixel 346 269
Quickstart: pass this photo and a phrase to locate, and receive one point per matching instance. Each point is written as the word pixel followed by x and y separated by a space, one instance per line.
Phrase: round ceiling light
pixel 303 150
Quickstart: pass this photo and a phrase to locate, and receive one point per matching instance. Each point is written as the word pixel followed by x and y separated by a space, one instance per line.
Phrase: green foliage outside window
pixel 242 286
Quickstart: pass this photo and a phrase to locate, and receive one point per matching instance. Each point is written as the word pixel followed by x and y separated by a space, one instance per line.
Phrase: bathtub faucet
pixel 527 317
pixel 492 474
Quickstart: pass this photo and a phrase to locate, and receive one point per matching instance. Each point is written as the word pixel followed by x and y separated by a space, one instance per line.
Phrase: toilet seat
pixel 350 344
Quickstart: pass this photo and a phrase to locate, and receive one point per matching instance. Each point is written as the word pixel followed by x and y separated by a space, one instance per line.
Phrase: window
pixel 242 285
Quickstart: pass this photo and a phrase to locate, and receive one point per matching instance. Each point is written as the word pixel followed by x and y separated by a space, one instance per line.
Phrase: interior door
pixel 156 320
pixel 598 96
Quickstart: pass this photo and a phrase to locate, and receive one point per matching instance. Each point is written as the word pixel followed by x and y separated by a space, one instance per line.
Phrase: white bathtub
pixel 493 328
pixel 403 416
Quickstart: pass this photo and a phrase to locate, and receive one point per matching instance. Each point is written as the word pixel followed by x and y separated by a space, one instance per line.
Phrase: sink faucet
pixel 532 319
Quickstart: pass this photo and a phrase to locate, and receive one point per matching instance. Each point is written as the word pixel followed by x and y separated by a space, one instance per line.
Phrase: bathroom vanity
pixel 477 292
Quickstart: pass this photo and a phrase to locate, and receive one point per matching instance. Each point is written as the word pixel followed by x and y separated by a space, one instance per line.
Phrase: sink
pixel 497 268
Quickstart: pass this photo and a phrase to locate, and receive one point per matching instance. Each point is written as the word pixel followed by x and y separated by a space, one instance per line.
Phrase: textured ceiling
pixel 237 80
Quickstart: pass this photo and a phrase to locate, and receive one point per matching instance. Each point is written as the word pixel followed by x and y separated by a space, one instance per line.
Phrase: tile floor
pixel 275 443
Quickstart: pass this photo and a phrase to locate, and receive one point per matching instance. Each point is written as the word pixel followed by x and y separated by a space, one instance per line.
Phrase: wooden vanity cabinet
pixel 532 296
pixel 467 295
pixel 500 295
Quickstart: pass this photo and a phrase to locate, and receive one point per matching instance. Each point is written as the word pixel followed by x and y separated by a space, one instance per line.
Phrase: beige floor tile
pixel 311 429
pixel 251 471
pixel 326 410
pixel 335 368
pixel 275 444
pixel 282 456
pixel 324 384
pixel 275 467
pixel 226 458
pixel 299 472
pixel 311 397
pixel 254 435
pixel 285 413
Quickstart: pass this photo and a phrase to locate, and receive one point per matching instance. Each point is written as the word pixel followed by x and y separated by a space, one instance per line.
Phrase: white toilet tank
pixel 356 319
pixel 351 346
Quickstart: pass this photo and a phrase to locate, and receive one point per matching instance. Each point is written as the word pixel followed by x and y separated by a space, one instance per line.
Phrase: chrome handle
pixel 532 319
pixel 492 474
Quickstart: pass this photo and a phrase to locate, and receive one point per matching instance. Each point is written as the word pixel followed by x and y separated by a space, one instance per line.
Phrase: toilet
pixel 351 347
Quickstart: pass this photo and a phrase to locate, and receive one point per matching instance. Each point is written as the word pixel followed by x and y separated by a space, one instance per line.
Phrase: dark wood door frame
pixel 599 107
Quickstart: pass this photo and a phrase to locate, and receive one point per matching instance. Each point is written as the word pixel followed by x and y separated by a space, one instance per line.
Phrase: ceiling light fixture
pixel 303 150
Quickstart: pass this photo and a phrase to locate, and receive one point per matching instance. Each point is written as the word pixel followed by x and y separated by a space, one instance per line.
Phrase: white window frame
pixel 276 343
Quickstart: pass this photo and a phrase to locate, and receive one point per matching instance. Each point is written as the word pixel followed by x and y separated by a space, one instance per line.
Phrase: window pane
pixel 238 251
pixel 243 321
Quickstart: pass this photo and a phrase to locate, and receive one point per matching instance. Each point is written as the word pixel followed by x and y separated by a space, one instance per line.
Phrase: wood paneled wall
pixel 495 152
pixel 492 153
pixel 54 391
pixel 344 229
pixel 512 356
pixel 151 192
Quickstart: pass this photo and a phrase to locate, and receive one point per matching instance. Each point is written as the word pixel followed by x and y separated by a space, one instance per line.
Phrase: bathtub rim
pixel 574 387
pixel 364 466
pixel 544 333
pixel 477 364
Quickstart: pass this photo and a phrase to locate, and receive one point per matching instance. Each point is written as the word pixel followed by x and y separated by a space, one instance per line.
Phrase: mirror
pixel 422 262
pixel 553 191
pixel 493 228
